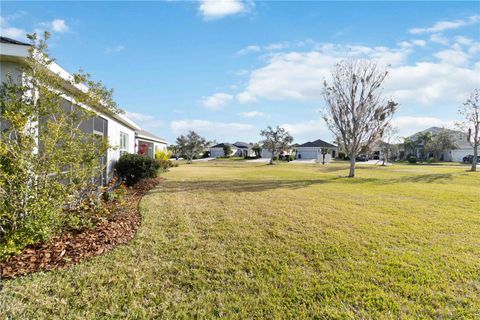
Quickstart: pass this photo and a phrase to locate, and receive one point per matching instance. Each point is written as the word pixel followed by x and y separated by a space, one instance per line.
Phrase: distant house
pixel 217 150
pixel 462 146
pixel 244 149
pixel 148 144
pixel 313 150
pixel 238 149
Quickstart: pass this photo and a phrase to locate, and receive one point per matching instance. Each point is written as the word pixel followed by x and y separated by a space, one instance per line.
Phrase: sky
pixel 229 68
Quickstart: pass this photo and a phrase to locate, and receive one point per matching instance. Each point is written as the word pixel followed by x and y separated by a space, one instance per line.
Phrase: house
pixel 217 150
pixel 244 149
pixel 462 146
pixel 238 149
pixel 314 149
pixel 147 143
pixel 119 130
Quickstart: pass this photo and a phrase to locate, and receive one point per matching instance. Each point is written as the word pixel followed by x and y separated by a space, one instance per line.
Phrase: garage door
pixel 310 154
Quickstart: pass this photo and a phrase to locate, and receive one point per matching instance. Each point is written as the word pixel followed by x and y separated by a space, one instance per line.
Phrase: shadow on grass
pixel 234 185
pixel 264 185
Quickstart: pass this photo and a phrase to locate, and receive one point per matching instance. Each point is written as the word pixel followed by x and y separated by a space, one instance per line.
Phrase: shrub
pixel 206 154
pixel 412 159
pixel 163 155
pixel 133 167
pixel 431 160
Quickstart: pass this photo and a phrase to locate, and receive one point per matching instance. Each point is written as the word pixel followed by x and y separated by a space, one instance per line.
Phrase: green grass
pixel 240 240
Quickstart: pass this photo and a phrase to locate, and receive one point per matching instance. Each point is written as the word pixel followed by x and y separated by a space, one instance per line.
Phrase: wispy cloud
pixel 252 114
pixel 114 49
pixel 446 25
pixel 9 31
pixel 56 25
pixel 216 101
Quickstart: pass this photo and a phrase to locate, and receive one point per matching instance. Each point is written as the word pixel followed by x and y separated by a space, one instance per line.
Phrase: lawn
pixel 238 240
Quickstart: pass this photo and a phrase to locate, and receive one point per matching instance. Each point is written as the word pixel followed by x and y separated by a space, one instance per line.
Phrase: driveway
pixel 203 160
pixel 259 160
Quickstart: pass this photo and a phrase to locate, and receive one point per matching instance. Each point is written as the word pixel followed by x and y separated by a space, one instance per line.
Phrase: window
pixel 123 143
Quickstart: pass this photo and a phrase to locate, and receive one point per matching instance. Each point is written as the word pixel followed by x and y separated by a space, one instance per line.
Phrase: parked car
pixel 361 158
pixel 468 159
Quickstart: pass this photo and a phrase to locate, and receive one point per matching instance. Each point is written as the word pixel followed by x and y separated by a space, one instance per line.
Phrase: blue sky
pixel 229 68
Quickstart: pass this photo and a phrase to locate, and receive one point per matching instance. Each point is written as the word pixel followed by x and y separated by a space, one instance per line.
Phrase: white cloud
pixel 59 25
pixel 14 33
pixel 408 125
pixel 446 25
pixel 216 9
pixel 454 57
pixel 6 30
pixel 252 114
pixel 115 49
pixel 145 121
pixel 419 42
pixel 463 40
pixel 312 129
pixel 300 75
pixel 214 130
pixel 246 97
pixel 56 25
pixel 430 83
pixel 438 38
pixel 216 101
pixel 248 49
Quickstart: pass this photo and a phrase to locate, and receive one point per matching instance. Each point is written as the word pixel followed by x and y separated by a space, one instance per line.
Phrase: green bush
pixel 431 160
pixel 133 167
pixel 412 159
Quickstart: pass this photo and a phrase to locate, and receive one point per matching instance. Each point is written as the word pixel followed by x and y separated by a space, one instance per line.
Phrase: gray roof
pixel 316 144
pixel 459 137
pixel 221 145
pixel 12 41
pixel 148 135
pixel 242 145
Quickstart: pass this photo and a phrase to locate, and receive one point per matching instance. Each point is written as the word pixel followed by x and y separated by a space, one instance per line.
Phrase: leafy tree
pixel 356 112
pixel 191 145
pixel 440 142
pixel 424 138
pixel 257 149
pixel 276 140
pixel 174 149
pixel 409 146
pixel 227 150
pixel 470 111
pixel 47 163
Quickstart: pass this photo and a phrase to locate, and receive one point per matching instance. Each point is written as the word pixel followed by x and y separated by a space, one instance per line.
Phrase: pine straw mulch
pixel 71 248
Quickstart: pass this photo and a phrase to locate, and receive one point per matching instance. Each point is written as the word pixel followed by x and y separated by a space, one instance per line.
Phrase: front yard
pixel 248 240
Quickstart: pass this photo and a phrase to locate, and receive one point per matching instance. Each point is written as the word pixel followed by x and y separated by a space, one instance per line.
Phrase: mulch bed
pixel 71 248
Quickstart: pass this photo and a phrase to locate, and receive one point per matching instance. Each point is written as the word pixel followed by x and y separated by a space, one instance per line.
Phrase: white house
pixel 119 129
pixel 147 143
pixel 314 149
pixel 217 151
pixel 462 146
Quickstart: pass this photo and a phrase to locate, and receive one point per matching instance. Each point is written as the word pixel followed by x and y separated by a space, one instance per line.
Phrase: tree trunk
pixel 475 158
pixel 271 158
pixel 352 167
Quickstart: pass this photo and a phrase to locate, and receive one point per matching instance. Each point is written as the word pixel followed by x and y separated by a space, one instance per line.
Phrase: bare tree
pixel 356 112
pixel 276 140
pixel 470 110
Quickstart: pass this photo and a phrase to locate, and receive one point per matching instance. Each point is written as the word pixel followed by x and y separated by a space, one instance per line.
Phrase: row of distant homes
pixel 306 151
pixel 315 150
pixel 125 135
